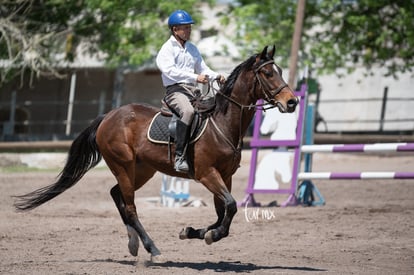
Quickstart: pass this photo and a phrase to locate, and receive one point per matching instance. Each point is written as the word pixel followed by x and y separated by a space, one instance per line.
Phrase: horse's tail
pixel 83 155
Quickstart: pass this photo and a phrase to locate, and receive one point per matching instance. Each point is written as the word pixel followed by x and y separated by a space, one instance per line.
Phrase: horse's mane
pixel 221 102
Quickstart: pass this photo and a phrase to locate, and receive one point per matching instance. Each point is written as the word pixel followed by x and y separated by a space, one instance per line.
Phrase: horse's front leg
pixel 226 208
pixel 222 230
pixel 191 233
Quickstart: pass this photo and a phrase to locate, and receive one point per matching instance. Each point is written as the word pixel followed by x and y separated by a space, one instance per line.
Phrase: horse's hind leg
pixel 123 196
pixel 134 226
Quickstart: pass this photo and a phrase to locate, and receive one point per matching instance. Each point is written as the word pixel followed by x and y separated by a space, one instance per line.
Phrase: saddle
pixel 162 129
pixel 163 125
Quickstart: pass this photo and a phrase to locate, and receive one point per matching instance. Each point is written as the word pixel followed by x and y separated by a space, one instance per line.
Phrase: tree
pixel 28 40
pixel 336 35
pixel 40 35
pixel 259 23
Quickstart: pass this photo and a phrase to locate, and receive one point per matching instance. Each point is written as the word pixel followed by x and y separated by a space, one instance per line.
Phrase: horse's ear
pixel 272 51
pixel 264 53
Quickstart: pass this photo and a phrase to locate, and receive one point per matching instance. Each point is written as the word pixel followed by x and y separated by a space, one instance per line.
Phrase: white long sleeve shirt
pixel 181 64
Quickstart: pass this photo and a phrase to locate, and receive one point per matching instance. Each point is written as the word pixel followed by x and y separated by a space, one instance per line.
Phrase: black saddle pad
pixel 158 131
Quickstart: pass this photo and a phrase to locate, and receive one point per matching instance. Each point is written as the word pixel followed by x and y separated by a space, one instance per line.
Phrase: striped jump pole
pixel 355 175
pixel 349 148
pixel 357 148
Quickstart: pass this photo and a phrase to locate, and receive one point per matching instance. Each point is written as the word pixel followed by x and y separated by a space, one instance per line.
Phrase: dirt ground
pixel 366 227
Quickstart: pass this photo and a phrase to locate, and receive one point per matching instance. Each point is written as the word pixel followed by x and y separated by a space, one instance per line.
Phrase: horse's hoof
pixel 157 259
pixel 133 243
pixel 183 234
pixel 208 237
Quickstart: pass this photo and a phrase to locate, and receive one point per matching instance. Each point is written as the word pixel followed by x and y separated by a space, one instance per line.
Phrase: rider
pixel 182 67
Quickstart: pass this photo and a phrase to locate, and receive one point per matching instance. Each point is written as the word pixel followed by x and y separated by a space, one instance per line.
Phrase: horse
pixel 120 138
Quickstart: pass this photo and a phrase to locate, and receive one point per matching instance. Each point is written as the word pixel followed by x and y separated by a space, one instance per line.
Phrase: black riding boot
pixel 182 133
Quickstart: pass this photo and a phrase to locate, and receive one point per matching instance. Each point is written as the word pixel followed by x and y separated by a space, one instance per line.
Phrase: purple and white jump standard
pixel 298 148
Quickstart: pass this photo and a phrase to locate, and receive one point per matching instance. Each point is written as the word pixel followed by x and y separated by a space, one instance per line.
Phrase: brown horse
pixel 120 137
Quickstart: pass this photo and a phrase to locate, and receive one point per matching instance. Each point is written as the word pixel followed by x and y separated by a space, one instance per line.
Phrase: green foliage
pixel 263 23
pixel 31 31
pixel 336 34
pixel 131 31
pixel 128 32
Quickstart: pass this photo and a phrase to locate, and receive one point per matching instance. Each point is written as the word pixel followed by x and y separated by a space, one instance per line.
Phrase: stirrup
pixel 181 164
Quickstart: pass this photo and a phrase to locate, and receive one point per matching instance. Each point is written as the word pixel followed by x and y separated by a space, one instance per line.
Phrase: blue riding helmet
pixel 179 17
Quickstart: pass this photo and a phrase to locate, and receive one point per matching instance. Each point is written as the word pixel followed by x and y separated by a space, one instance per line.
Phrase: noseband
pixel 269 94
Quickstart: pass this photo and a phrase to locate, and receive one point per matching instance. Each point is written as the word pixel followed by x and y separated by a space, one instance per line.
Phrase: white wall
pixel 357 86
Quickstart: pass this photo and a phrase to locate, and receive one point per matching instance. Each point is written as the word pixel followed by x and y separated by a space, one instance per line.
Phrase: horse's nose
pixel 292 102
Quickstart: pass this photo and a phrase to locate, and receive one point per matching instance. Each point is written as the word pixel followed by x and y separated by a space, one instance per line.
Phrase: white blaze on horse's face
pixel 278 70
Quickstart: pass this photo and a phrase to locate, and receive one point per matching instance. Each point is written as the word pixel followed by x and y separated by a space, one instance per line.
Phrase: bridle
pixel 268 93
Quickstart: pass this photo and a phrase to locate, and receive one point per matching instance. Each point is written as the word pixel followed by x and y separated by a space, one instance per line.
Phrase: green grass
pixel 23 169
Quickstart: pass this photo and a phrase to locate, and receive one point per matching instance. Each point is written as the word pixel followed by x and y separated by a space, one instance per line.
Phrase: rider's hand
pixel 221 79
pixel 202 78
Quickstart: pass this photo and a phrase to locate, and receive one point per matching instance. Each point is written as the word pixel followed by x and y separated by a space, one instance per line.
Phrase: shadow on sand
pixel 228 266
pixel 221 266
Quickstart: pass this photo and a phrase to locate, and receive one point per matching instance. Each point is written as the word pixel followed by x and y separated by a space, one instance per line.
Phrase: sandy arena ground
pixel 366 227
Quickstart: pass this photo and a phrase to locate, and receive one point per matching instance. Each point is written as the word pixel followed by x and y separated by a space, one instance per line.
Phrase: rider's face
pixel 183 31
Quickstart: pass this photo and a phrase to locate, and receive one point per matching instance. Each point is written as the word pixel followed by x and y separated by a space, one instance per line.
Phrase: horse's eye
pixel 267 73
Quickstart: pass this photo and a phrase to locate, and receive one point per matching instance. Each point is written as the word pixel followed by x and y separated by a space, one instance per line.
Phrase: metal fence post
pixel 383 108
pixel 70 104
pixel 8 126
pixel 102 98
